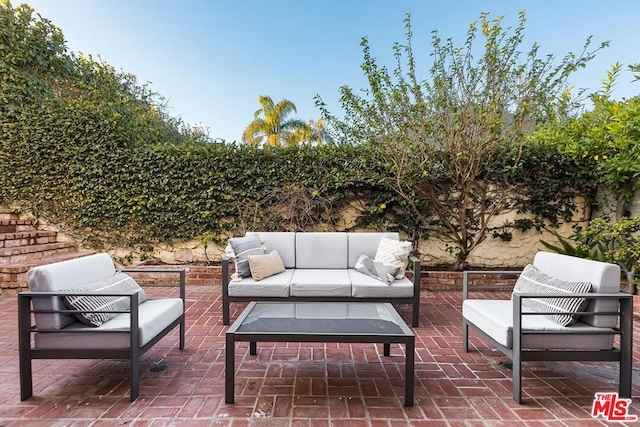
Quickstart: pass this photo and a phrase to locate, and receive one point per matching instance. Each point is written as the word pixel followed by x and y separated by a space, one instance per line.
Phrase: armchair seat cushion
pixel 363 286
pixel 272 286
pixel 154 316
pixel 495 318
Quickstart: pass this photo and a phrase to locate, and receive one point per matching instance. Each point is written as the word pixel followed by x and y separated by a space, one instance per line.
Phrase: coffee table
pixel 348 322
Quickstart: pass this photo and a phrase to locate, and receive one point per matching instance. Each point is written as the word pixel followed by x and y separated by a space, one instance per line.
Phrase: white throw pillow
pixel 394 252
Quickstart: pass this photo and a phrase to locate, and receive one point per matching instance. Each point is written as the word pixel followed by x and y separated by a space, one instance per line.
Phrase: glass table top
pixel 322 318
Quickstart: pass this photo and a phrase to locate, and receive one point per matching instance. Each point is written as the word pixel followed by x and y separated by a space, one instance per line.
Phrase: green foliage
pixel 606 139
pixel 452 143
pixel 566 247
pixel 619 242
pixel 271 125
pixel 146 193
pixel 33 58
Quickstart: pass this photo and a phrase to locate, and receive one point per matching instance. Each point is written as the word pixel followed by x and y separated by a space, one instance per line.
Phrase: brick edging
pixel 207 275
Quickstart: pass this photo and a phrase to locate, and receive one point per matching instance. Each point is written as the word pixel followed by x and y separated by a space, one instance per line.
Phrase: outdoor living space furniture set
pixel 562 308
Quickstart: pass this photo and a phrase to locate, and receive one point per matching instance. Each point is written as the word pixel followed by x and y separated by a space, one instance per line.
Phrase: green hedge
pixel 63 169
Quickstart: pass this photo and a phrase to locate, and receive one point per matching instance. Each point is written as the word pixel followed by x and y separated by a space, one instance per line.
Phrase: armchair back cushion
pixel 604 278
pixel 69 274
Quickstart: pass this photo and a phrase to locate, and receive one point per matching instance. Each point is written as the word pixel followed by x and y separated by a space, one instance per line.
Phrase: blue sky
pixel 213 58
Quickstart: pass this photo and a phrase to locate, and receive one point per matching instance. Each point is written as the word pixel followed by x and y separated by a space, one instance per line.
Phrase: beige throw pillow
pixel 263 266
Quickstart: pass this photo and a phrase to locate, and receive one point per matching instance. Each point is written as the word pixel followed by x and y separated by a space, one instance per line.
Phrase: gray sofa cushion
pixel 242 248
pixel 283 242
pixel 65 275
pixel 495 317
pixel 321 250
pixel 118 283
pixel 365 243
pixel 321 282
pixel 363 286
pixel 533 281
pixel 154 316
pixel 273 286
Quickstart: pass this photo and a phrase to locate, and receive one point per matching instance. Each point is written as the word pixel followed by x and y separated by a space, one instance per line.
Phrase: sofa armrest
pixel 416 271
pixel 468 287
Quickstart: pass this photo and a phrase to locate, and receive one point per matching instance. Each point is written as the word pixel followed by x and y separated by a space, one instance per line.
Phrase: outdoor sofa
pixel 320 266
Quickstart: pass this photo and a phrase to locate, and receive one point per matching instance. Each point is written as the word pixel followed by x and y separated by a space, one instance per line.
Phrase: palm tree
pixel 319 133
pixel 271 125
pixel 312 133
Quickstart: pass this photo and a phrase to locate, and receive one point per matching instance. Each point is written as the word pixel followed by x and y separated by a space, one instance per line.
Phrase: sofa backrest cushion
pixel 365 243
pixel 65 275
pixel 283 242
pixel 604 277
pixel 321 250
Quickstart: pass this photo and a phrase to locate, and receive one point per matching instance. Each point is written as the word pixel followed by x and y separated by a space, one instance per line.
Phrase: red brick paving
pixel 304 384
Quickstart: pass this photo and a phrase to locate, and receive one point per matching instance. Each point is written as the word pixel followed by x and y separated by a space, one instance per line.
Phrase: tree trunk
pixel 631 284
pixel 461 260
pixel 621 208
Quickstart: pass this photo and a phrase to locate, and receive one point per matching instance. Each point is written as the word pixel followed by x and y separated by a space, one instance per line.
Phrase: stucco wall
pixel 492 253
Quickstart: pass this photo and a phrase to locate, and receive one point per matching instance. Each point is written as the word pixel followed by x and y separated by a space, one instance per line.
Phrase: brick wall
pixel 198 275
pixel 201 275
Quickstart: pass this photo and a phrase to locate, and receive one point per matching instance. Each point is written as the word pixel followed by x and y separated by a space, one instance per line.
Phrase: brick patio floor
pixel 305 384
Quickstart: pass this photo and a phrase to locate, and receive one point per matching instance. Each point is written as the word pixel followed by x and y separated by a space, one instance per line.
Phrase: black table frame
pixel 233 335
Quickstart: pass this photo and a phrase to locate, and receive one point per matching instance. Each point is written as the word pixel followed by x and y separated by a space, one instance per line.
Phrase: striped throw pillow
pixel 534 281
pixel 118 283
pixel 243 247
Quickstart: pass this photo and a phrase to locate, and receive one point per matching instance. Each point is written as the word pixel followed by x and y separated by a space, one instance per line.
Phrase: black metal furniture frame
pixel 414 300
pixel 233 335
pixel 623 355
pixel 27 353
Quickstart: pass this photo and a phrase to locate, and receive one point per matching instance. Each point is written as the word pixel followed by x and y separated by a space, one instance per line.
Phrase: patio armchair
pixel 86 309
pixel 551 317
